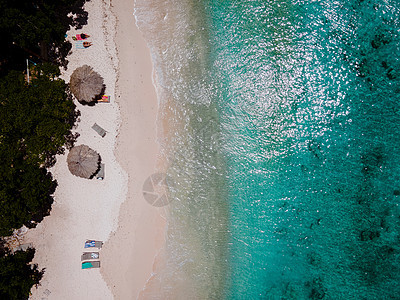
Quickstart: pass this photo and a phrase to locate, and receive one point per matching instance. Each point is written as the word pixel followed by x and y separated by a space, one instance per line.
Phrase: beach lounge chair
pixel 105 99
pixel 99 130
pixel 90 264
pixel 100 174
pixel 90 255
pixel 93 244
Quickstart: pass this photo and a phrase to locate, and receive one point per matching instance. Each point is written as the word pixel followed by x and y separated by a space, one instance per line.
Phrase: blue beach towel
pixel 89 244
pixel 79 45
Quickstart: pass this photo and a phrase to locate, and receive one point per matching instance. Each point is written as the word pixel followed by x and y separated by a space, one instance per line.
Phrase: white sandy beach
pixel 112 210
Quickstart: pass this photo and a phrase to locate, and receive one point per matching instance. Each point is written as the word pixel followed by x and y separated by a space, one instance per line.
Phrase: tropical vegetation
pixel 36 121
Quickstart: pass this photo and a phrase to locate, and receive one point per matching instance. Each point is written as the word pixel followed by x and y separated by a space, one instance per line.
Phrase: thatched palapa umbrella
pixel 86 84
pixel 83 161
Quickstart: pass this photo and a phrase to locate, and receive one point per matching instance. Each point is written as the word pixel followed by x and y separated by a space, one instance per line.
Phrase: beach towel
pixel 95 244
pixel 90 264
pixel 79 45
pixel 105 99
pixel 79 37
pixel 89 255
pixel 89 244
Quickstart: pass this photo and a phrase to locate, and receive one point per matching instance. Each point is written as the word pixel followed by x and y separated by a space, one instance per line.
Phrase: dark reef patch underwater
pixel 289 128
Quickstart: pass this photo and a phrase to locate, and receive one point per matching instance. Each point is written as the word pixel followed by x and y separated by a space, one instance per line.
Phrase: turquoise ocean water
pixel 283 147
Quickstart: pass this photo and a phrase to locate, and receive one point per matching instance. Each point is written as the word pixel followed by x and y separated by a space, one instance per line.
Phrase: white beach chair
pixel 89 256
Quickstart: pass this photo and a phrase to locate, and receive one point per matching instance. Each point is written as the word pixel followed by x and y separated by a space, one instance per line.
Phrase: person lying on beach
pixel 82 45
pixel 81 36
pixel 87 44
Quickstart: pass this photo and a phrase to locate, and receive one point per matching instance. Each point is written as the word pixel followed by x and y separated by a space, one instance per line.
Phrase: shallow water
pixel 283 147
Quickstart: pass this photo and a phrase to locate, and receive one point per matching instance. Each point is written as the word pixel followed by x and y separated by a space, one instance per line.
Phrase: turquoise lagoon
pixel 284 147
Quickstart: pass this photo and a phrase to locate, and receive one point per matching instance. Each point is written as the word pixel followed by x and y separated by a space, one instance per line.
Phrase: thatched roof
pixel 86 84
pixel 83 161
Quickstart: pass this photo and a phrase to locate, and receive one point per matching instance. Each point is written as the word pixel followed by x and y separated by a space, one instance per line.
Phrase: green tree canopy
pixel 17 275
pixel 35 125
pixel 35 119
pixel 37 29
pixel 25 196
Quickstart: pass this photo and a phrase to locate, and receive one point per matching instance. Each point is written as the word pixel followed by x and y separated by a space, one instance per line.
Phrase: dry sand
pixel 112 210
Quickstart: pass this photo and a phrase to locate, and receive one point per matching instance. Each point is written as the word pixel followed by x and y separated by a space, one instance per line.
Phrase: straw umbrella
pixel 86 84
pixel 83 161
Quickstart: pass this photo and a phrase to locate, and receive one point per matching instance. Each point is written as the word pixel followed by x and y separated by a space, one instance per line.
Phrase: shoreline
pixel 134 246
pixel 112 210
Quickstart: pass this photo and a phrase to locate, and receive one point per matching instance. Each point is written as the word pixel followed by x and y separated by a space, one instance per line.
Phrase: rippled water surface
pixel 283 146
